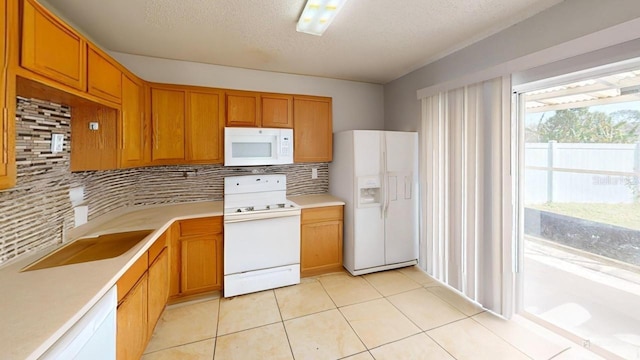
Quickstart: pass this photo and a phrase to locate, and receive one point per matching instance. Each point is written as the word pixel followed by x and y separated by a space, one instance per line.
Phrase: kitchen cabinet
pixel 93 131
pixel 158 291
pixel 132 128
pixel 167 118
pixel 242 108
pixel 205 126
pixel 321 232
pixel 312 129
pixel 104 79
pixel 196 256
pixel 7 105
pixel 51 48
pixel 277 110
pixel 253 109
pixel 131 321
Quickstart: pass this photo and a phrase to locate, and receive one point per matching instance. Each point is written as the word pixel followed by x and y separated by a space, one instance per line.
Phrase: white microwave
pixel 257 146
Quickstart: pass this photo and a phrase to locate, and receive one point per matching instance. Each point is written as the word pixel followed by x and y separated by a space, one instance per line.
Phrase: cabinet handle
pixel 155 130
pixel 123 141
pixel 143 126
pixel 5 136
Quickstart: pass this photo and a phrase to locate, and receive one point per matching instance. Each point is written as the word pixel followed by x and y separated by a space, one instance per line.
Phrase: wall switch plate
pixel 57 143
pixel 314 173
pixel 93 126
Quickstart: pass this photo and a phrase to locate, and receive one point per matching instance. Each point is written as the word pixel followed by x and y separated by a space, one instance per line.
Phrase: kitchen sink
pixel 91 249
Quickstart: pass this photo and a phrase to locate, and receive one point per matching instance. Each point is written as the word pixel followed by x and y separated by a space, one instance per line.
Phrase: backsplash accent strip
pixel 38 211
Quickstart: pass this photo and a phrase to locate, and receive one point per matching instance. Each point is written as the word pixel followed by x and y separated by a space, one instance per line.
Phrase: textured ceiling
pixel 371 40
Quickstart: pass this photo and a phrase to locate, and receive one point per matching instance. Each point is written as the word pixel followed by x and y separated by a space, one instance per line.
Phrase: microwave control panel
pixel 285 146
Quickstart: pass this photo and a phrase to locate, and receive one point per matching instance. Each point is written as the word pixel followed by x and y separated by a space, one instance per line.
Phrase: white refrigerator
pixel 376 174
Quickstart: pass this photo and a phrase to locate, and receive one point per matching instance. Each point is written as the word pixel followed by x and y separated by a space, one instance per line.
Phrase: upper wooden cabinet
pixel 253 109
pixel 7 105
pixel 132 129
pixel 93 133
pixel 104 79
pixel 167 125
pixel 51 48
pixel 242 108
pixel 312 129
pixel 205 126
pixel 277 110
pixel 187 125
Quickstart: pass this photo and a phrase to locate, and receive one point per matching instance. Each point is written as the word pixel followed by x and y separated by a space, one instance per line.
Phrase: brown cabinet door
pixel 321 240
pixel 93 149
pixel 51 48
pixel 277 111
pixel 131 322
pixel 132 129
pixel 243 108
pixel 104 79
pixel 158 289
pixel 167 116
pixel 312 130
pixel 201 271
pixel 4 122
pixel 205 127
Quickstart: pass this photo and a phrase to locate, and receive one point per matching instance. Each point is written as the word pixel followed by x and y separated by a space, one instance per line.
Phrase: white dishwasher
pixel 93 337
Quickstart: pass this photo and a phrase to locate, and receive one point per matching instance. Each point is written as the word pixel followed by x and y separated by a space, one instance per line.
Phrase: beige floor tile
pixel 325 335
pixel 417 275
pixel 416 347
pixel 466 339
pixel 527 341
pixel 266 342
pixel 346 289
pixel 377 322
pixel 425 309
pixel 201 350
pixel 361 356
pixel 577 353
pixel 303 299
pixel 391 282
pixel 184 324
pixel 456 300
pixel 247 311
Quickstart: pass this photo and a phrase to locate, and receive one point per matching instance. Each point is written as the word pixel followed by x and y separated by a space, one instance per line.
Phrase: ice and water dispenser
pixel 369 191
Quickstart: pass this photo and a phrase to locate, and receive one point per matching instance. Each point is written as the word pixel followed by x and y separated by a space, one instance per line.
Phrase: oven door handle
pixel 254 217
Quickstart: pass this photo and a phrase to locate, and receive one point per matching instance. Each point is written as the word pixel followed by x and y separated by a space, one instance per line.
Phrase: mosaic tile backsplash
pixel 37 212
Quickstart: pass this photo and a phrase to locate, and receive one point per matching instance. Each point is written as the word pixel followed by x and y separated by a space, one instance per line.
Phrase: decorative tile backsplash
pixel 37 212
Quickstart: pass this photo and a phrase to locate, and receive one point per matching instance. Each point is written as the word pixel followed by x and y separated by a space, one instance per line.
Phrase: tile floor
pixel 397 314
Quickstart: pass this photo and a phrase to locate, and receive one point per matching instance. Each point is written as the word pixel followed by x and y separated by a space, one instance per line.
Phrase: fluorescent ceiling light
pixel 318 15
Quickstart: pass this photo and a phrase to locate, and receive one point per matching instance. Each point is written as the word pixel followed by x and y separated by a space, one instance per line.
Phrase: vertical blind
pixel 465 167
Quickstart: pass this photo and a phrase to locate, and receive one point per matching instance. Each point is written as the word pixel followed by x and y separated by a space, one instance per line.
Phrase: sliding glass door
pixel 579 213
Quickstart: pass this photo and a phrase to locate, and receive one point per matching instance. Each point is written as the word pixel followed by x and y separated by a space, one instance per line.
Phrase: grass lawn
pixel 625 215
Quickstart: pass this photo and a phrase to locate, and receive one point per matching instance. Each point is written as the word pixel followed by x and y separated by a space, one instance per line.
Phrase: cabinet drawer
pixel 321 214
pixel 211 225
pixel 157 247
pixel 130 278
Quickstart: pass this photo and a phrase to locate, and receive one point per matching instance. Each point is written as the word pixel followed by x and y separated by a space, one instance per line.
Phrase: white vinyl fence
pixel 581 173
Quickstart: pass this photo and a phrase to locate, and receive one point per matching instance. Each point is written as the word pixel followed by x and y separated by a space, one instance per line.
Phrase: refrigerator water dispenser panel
pixel 369 190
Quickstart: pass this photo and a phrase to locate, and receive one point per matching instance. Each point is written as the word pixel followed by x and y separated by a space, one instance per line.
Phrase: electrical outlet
pixel 314 173
pixel 57 143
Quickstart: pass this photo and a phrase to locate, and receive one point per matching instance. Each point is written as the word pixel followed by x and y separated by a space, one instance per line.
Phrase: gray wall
pixel 566 21
pixel 356 105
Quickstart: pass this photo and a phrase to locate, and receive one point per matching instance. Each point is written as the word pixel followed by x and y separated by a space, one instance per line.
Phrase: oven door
pixel 261 242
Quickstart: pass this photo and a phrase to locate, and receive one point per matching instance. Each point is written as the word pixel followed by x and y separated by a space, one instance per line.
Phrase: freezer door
pixel 401 197
pixel 369 238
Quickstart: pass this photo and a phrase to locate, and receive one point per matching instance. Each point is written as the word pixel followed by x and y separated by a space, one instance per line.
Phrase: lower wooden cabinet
pixel 158 289
pixel 142 296
pixel 196 256
pixel 131 334
pixel 321 240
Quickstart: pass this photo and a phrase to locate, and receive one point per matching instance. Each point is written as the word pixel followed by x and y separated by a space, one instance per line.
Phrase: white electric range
pixel 261 234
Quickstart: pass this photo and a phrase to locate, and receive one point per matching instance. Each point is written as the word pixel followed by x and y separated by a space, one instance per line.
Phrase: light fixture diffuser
pixel 318 15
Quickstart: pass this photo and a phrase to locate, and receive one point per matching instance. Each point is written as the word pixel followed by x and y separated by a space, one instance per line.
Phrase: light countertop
pixel 38 307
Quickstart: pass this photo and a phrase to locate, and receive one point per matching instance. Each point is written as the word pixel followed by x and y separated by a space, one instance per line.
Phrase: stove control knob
pixel 238 210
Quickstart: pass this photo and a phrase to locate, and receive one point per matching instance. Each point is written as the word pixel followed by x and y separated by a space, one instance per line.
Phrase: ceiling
pixel 373 41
